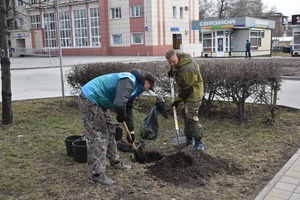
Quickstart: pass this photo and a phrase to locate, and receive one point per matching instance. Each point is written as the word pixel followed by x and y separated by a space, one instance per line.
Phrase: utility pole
pixel 5 67
pixel 60 53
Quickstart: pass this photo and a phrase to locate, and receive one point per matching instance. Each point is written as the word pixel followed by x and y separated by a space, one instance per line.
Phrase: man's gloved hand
pixel 175 103
pixel 170 73
pixel 132 138
pixel 121 118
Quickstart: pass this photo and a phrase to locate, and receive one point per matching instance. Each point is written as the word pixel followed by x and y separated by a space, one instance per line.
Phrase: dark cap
pixel 151 79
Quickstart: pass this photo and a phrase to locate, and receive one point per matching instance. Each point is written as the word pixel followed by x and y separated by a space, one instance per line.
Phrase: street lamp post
pixel 60 53
pixel 48 36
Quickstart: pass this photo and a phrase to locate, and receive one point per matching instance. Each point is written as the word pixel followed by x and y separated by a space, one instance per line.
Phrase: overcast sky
pixel 286 7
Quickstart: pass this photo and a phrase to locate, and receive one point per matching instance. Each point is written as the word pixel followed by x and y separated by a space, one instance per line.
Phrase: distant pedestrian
pixel 110 91
pixel 248 48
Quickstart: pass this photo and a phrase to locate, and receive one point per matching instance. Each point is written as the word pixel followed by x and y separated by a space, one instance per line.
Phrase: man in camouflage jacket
pixel 189 82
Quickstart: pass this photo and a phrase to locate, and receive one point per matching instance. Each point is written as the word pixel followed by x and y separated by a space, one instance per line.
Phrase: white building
pixel 104 27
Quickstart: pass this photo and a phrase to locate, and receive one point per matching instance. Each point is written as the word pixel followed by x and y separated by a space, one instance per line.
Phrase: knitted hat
pixel 151 79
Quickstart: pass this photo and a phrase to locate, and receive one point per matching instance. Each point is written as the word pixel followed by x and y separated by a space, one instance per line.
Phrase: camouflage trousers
pixel 192 127
pixel 99 130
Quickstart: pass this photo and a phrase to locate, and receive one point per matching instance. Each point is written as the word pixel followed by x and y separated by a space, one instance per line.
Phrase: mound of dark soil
pixel 192 168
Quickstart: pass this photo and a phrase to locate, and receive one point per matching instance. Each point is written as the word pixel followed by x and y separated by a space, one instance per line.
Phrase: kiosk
pixel 227 37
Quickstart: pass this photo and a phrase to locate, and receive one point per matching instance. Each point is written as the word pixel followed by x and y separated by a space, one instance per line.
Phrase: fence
pixel 34 52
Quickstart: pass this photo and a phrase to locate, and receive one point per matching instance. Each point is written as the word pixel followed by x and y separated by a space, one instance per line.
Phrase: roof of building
pixel 283 39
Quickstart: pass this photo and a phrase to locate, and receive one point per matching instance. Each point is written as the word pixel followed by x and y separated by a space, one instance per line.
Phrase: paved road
pixel 40 77
pixel 38 83
pixel 290 93
pixel 33 78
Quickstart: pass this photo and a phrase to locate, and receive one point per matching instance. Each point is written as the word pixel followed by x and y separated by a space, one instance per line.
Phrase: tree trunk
pixel 5 68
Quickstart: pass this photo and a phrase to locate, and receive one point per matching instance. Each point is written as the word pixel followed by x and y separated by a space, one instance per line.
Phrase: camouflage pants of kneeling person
pixel 100 135
pixel 192 127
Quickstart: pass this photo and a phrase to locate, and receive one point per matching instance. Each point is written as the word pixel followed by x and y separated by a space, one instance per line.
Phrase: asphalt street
pixel 33 77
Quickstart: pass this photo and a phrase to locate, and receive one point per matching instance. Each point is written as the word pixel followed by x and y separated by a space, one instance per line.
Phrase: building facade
pixel 227 37
pixel 282 26
pixel 103 27
pixel 296 35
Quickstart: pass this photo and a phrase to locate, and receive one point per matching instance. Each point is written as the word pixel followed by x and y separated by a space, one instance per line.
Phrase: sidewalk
pixel 285 184
pixel 51 62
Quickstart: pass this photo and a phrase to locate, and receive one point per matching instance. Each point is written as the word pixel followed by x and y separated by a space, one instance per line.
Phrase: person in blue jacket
pixel 110 91
pixel 248 49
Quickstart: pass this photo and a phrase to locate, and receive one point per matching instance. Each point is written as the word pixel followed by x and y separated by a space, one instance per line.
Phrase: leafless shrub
pixel 256 81
pixel 80 74
pixel 235 80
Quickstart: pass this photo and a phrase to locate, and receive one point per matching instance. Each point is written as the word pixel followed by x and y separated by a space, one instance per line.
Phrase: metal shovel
pixel 178 142
pixel 139 154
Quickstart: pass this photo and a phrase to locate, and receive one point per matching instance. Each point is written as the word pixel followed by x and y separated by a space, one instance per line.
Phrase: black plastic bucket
pixel 80 151
pixel 69 140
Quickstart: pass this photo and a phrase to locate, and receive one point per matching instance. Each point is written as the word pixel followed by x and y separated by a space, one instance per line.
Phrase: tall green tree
pixel 5 67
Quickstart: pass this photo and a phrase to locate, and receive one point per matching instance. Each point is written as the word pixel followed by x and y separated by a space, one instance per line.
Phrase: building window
pixel 49 26
pixel 174 12
pixel 95 27
pixel 65 30
pixel 19 3
pixel 135 11
pixel 33 1
pixel 116 39
pixel 181 12
pixel 20 23
pixel 207 44
pixel 296 41
pixel 137 38
pixel 255 39
pixel 115 13
pixel 80 28
pixel 35 21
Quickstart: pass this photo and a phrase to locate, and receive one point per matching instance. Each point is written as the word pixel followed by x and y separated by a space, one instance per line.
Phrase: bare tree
pixel 233 8
pixel 5 67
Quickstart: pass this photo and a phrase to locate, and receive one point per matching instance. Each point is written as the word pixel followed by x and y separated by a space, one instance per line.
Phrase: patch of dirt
pixel 192 168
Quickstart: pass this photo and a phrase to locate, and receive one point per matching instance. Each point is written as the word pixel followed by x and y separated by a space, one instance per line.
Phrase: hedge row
pixel 235 80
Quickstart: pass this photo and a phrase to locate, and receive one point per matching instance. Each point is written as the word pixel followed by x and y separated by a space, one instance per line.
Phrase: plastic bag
pixel 149 126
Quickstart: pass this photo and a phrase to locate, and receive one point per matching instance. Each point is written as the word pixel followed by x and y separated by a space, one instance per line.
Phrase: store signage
pixel 261 22
pixel 174 29
pixel 217 23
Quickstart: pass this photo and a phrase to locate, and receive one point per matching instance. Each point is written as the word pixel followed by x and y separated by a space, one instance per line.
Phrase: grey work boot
pixel 198 146
pixel 119 165
pixel 102 179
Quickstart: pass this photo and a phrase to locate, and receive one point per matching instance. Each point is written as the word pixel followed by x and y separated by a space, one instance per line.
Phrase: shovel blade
pixel 139 155
pixel 179 142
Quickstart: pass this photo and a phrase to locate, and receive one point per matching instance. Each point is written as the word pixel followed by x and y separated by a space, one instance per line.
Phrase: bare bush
pixel 80 74
pixel 241 80
pixel 234 80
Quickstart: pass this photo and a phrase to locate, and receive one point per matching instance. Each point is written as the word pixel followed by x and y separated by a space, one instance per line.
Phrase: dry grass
pixel 38 167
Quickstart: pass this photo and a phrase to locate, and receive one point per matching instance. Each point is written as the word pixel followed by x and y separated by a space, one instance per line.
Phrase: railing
pixel 34 52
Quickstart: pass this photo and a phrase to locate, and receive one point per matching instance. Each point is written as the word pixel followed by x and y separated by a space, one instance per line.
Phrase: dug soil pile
pixel 190 168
